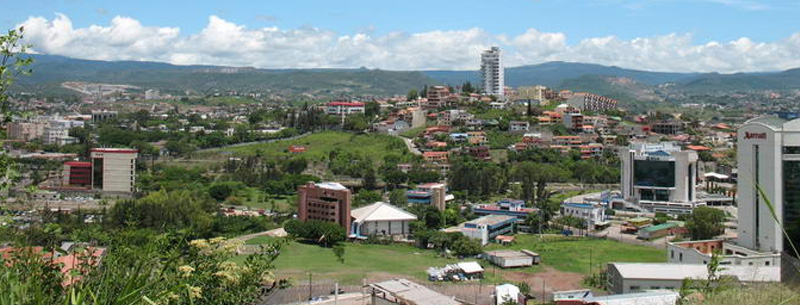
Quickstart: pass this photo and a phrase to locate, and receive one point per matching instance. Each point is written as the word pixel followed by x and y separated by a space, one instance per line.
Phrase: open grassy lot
pixel 318 145
pixel 370 261
pixel 572 254
pixel 384 261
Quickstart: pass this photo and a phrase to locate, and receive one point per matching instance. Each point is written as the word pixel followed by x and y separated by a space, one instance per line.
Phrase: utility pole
pixel 309 287
pixel 544 300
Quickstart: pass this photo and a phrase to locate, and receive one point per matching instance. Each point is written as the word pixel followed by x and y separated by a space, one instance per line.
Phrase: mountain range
pixel 50 71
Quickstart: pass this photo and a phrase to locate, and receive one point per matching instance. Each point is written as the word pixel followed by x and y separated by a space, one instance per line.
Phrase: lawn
pixel 381 261
pixel 370 261
pixel 318 146
pixel 572 254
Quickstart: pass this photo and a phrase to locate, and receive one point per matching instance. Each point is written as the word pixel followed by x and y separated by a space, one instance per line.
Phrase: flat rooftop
pixel 678 272
pixel 491 219
pixel 413 293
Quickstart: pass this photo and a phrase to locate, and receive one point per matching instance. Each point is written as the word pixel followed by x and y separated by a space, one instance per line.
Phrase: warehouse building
pixel 638 277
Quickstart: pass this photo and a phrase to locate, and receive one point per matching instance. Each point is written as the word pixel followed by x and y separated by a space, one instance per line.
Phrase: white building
pixel 592 214
pixel 152 94
pixel 381 218
pixel 506 293
pixel 699 252
pixel 114 169
pixel 768 156
pixel 344 108
pixel 57 132
pixel 638 277
pixel 519 126
pixel 492 72
pixel 660 177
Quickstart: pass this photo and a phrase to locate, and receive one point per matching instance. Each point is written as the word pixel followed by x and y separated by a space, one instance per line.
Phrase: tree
pixel 372 109
pixel 365 197
pixel 13 63
pixel 398 197
pixel 221 191
pixel 705 223
pixel 395 177
pixel 370 181
pixel 412 95
pixel 534 178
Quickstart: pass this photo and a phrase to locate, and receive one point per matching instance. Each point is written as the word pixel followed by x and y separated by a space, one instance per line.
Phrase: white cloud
pixel 223 42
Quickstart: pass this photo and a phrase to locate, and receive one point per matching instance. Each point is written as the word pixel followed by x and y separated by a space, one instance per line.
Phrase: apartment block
pixel 326 201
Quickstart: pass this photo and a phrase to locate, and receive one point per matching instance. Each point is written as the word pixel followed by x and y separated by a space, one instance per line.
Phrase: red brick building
pixel 327 201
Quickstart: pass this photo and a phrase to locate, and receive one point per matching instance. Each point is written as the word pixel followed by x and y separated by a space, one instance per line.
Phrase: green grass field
pixel 318 145
pixel 561 253
pixel 572 254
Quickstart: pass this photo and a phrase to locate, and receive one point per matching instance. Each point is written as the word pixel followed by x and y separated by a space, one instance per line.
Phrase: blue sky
pixel 702 21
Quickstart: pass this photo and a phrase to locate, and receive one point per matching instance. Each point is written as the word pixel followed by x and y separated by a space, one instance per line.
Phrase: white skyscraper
pixel 768 156
pixel 492 72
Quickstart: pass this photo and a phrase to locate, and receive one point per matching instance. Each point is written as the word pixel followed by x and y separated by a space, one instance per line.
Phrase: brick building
pixel 326 201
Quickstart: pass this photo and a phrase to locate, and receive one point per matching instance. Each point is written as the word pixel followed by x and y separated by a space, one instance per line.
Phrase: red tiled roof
pixel 346 104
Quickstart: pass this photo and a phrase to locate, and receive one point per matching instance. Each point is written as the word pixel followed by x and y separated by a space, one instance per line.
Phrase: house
pixel 519 126
pixel 479 152
pixel 435 156
pixel 381 218
pixel 477 137
pixel 296 149
pixel 637 277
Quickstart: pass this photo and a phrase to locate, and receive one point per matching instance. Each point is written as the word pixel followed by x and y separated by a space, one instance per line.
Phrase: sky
pixel 725 36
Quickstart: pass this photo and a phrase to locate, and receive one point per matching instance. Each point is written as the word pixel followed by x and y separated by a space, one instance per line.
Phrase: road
pixel 410 145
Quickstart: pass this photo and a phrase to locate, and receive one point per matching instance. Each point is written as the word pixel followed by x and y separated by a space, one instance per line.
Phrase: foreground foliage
pixel 166 269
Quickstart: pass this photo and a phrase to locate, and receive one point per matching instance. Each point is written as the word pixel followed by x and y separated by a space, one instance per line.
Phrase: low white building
pixel 593 214
pixel 699 252
pixel 381 218
pixel 344 108
pixel 506 293
pixel 638 277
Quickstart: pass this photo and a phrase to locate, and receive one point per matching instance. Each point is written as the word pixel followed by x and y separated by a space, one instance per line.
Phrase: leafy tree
pixel 705 223
pixel 164 211
pixel 398 197
pixel 296 165
pixel 365 197
pixel 395 177
pixel 370 181
pixel 222 190
pixel 13 63
pixel 324 233
pixel 372 109
pixel 534 178
pixel 412 95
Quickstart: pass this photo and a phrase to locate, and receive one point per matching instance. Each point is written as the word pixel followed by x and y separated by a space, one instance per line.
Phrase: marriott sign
pixel 755 135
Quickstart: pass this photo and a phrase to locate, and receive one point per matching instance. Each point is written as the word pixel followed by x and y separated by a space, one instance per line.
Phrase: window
pixel 672 254
pixel 766 263
pixel 680 256
pixel 655 287
pixel 635 288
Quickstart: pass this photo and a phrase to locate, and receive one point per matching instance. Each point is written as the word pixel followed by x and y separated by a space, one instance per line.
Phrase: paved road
pixel 410 145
